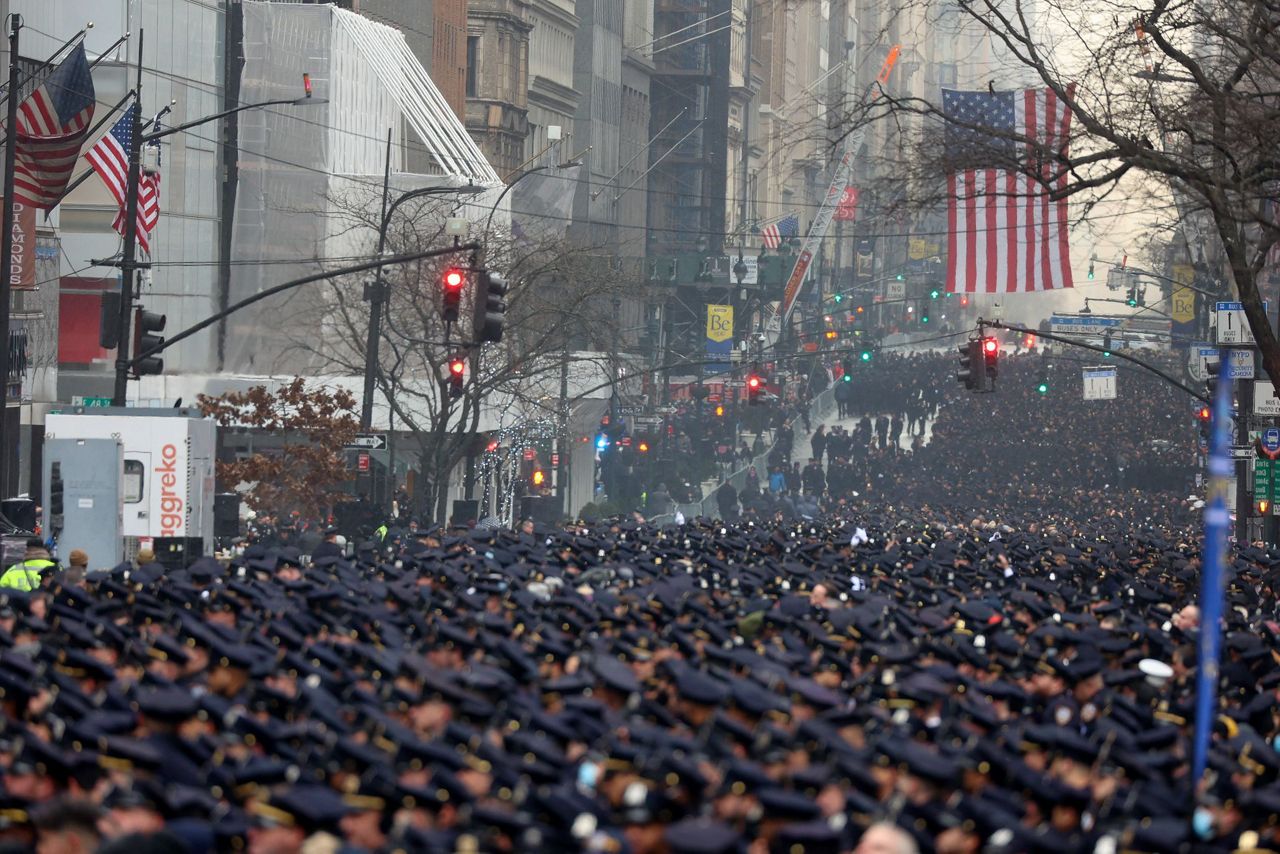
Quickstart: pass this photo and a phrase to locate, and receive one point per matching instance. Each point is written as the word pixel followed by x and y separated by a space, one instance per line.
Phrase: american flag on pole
pixel 110 159
pixel 52 124
pixel 1004 233
pixel 148 210
pixel 773 234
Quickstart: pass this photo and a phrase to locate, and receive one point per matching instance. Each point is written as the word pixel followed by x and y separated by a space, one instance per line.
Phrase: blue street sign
pixel 1271 440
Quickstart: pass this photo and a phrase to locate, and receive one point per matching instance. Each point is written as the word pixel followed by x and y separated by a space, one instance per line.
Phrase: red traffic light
pixel 457 367
pixel 454 279
pixel 990 346
pixel 753 382
pixel 1203 413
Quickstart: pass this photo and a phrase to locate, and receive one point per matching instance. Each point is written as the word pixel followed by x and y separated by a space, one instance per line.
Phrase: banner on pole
pixel 719 339
pixel 22 268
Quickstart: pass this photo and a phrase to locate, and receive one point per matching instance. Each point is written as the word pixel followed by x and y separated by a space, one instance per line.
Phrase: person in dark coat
pixel 329 547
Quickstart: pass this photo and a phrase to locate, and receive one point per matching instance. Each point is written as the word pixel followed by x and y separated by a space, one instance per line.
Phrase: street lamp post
pixel 377 293
pixel 128 261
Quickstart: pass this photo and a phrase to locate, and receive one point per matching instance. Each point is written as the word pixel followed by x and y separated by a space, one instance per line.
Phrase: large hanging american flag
pixel 52 124
pixel 773 234
pixel 1004 232
pixel 110 159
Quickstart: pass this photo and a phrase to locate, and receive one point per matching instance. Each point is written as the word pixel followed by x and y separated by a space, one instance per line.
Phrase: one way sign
pixel 370 442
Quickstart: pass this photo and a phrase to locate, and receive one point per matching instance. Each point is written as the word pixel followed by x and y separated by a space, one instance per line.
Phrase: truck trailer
pixel 119 479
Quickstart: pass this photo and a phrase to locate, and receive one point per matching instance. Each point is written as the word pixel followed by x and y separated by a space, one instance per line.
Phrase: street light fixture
pixel 128 260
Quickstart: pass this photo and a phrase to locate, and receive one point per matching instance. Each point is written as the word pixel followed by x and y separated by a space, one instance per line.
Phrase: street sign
pixel 369 442
pixel 1071 324
pixel 1243 452
pixel 1230 324
pixel 1240 367
pixel 1200 356
pixel 1270 442
pixel 895 289
pixel 1265 401
pixel 1262 487
pixel 90 402
pixel 362 462
pixel 1099 383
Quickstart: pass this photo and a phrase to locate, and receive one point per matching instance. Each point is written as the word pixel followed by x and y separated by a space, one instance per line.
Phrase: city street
pixel 640 427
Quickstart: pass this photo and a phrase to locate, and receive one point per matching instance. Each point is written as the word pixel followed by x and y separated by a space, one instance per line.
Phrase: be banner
pixel 1183 306
pixel 719 339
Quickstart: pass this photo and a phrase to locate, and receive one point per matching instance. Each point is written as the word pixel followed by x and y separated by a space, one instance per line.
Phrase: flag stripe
pixel 970 220
pixel 952 247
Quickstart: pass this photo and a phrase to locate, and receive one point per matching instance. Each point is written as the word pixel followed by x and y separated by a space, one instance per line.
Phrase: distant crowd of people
pixel 908 433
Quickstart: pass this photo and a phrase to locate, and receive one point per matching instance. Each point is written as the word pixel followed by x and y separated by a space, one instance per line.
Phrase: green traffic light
pixel 847 378
pixel 924 318
pixel 866 356
pixel 839 297
pixel 1043 388
pixel 899 277
pixel 933 294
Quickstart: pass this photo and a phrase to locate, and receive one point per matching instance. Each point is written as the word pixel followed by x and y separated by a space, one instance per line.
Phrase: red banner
pixel 848 208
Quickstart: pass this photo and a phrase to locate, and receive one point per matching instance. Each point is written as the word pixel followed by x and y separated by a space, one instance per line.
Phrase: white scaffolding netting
pixel 294 162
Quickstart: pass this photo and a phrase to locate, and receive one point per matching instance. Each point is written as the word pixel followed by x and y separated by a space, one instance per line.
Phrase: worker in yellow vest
pixel 27 573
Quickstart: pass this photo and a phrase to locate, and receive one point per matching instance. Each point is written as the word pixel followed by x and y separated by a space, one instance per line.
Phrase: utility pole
pixel 1244 503
pixel 6 251
pixel 375 294
pixel 128 260
pixel 562 451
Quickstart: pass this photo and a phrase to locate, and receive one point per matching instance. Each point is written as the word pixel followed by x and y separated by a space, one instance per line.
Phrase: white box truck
pixel 166 476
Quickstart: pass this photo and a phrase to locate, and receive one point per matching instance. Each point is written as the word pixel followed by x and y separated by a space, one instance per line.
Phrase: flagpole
pixel 6 250
pixel 128 261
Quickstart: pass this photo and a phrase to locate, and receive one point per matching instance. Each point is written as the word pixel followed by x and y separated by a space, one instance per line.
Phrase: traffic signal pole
pixel 6 253
pixel 129 256
pixel 1244 502
pixel 1062 339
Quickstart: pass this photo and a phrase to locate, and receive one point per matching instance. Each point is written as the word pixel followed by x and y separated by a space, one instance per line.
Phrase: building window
pixel 473 65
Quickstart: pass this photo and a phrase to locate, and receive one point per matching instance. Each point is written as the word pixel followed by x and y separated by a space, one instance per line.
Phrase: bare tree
pixel 562 297
pixel 1177 103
